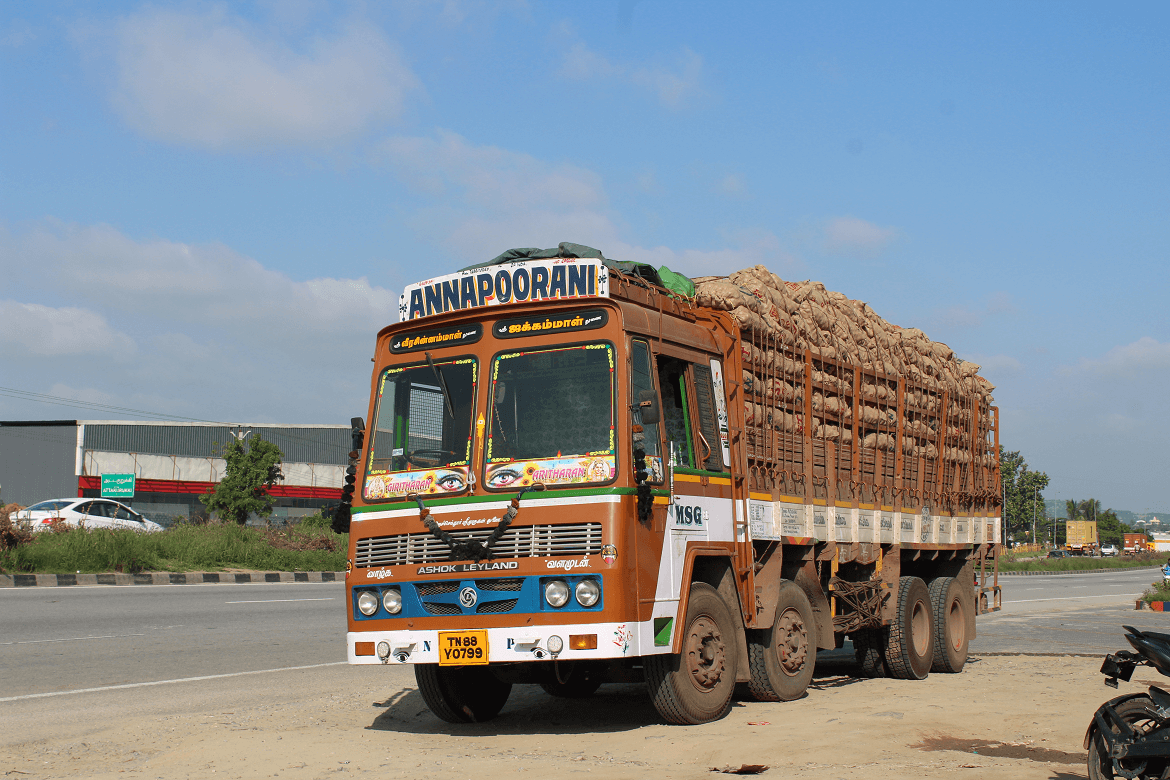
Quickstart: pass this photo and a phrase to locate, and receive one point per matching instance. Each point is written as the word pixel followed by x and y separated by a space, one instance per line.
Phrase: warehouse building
pixel 172 463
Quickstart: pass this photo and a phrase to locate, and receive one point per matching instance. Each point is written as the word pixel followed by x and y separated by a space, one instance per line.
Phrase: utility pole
pixel 1034 491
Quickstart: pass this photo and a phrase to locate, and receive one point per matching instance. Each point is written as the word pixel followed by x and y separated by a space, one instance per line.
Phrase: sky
pixel 208 210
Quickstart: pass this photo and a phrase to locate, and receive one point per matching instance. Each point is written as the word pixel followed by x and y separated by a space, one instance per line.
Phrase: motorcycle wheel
pixel 1139 713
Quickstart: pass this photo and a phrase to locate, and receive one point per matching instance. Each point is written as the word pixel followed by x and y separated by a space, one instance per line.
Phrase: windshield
pixel 422 429
pixel 552 417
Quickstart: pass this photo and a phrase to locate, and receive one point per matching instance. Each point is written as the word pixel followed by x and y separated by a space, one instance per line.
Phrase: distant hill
pixel 1057 509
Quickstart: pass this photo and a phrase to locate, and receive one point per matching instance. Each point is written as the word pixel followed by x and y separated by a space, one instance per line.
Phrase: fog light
pixel 556 593
pixel 392 600
pixel 555 644
pixel 588 592
pixel 383 650
pixel 582 641
pixel 367 603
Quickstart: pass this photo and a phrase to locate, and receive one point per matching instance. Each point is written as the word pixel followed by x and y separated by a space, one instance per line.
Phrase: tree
pixel 251 471
pixel 1023 495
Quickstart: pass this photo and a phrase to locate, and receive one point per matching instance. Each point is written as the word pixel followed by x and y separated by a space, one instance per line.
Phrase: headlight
pixel 556 593
pixel 555 644
pixel 367 603
pixel 392 600
pixel 588 592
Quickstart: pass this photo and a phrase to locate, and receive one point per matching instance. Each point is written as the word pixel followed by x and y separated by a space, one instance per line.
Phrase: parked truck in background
pixel 1082 537
pixel 1135 543
pixel 573 475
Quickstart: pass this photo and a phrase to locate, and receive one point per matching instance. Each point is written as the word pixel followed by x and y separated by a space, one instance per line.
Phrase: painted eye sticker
pixel 503 477
pixel 451 482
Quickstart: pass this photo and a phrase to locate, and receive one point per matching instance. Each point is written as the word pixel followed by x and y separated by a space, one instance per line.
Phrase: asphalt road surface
pixel 1079 614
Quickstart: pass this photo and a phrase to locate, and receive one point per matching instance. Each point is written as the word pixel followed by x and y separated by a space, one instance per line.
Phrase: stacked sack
pixel 804 315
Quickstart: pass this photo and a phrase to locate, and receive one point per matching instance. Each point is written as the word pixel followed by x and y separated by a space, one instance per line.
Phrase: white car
pixel 1108 549
pixel 87 512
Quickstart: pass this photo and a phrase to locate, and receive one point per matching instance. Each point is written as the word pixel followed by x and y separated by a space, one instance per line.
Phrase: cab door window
pixel 676 413
pixel 641 379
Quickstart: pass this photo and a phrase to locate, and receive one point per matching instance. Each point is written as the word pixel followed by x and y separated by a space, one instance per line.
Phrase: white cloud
pixel 189 283
pixel 35 330
pixel 213 80
pixel 732 185
pixel 675 87
pixel 489 199
pixel 214 334
pixel 1144 355
pixel 850 235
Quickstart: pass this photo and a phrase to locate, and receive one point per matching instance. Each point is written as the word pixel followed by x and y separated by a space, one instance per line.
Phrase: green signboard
pixel 117 486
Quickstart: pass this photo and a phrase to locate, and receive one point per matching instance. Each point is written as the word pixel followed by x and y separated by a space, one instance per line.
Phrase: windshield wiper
pixel 442 385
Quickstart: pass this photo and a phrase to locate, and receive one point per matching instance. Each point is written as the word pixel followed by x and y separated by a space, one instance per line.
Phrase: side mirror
pixel 648 404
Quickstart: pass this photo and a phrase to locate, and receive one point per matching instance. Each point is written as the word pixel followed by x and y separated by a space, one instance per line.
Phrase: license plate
pixel 463 648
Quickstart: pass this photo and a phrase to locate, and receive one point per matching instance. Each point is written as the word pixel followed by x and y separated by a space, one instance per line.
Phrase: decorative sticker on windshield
pixel 437 338
pixel 552 471
pixel 425 483
pixel 519 327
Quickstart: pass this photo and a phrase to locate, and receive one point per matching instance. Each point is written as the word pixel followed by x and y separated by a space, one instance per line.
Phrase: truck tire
pixel 695 686
pixel 782 658
pixel 869 649
pixel 910 641
pixel 461 694
pixel 951 606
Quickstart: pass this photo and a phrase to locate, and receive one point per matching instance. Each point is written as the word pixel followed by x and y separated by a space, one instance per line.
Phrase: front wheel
pixel 1138 714
pixel 696 686
pixel 461 694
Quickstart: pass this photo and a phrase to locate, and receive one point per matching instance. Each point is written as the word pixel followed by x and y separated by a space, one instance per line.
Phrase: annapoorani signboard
pixel 525 281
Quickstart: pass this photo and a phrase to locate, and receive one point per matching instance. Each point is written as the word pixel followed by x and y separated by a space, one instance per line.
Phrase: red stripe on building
pixel 178 486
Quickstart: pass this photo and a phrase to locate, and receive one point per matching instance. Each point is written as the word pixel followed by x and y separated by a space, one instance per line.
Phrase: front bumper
pixel 505 645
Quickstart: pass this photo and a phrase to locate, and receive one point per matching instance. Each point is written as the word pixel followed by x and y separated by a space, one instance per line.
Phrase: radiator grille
pixel 502 584
pixel 496 606
pixel 435 588
pixel 435 608
pixel 531 541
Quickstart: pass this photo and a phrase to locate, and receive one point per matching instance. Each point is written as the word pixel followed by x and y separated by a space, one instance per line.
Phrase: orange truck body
pixel 1135 543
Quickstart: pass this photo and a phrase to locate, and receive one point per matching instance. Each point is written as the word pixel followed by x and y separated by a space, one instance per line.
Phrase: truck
pixel 1134 544
pixel 1082 537
pixel 575 474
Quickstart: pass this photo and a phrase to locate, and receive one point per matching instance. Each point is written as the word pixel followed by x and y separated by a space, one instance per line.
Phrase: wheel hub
pixel 791 641
pixel 705 653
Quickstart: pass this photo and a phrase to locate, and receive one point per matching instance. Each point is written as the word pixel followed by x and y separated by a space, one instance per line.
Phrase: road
pixel 1069 613
pixel 148 681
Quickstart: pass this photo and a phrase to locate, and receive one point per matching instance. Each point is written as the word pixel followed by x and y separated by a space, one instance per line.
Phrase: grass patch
pixel 1082 564
pixel 180 548
pixel 1159 592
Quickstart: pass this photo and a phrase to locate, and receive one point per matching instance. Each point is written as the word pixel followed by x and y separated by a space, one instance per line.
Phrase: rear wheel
pixel 461 694
pixel 950 606
pixel 1140 715
pixel 782 658
pixel 910 642
pixel 696 686
pixel 869 649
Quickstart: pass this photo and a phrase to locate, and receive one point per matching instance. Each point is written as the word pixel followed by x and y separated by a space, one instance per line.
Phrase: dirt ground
pixel 1011 717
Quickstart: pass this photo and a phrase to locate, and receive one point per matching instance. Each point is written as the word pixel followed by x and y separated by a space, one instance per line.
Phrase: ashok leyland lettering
pixel 562 484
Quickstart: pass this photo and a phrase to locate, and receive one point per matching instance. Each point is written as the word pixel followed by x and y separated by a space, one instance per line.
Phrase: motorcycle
pixel 1129 736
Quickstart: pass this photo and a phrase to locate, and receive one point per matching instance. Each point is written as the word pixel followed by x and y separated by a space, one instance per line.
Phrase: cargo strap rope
pixel 470 549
